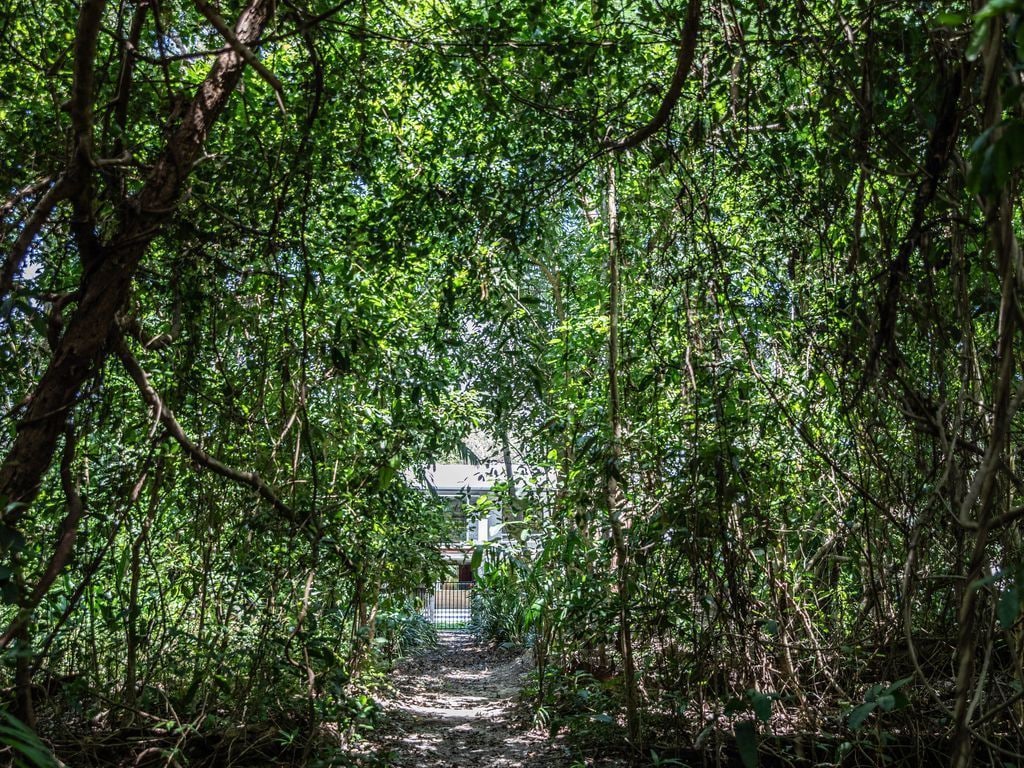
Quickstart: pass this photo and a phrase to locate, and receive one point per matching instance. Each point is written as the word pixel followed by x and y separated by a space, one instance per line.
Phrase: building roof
pixel 448 479
pixel 471 479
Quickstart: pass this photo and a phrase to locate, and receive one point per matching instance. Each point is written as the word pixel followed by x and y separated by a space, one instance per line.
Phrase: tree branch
pixel 75 181
pixel 86 36
pixel 107 280
pixel 60 190
pixel 129 56
pixel 28 190
pixel 242 49
pixel 65 540
pixel 164 415
pixel 684 62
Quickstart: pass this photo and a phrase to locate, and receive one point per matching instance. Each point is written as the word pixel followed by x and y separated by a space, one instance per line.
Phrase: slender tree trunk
pixel 132 636
pixel 24 707
pixel 506 457
pixel 614 493
pixel 984 488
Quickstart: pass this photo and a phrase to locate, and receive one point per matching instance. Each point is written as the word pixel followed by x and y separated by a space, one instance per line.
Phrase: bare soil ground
pixel 453 706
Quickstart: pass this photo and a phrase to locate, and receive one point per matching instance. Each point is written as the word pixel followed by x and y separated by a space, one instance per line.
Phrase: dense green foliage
pixel 755 322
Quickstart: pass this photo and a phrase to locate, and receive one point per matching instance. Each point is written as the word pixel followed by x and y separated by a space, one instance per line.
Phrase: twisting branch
pixel 74 182
pixel 129 56
pixel 65 540
pixel 80 167
pixel 242 49
pixel 92 567
pixel 86 35
pixel 60 190
pixel 106 284
pixel 684 61
pixel 29 190
pixel 133 328
pixel 153 399
pixel 941 144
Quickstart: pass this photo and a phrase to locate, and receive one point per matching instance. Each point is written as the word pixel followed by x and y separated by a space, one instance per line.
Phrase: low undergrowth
pixel 702 702
pixel 320 704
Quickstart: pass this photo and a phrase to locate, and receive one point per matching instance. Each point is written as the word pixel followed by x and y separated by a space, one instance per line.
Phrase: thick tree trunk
pixel 108 272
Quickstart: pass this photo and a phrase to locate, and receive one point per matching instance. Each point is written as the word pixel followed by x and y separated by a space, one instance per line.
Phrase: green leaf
pixel 1008 608
pixel 996 8
pixel 746 742
pixel 983 139
pixel 901 700
pixel 981 178
pixel 978 40
pixel 10 539
pixel 762 706
pixel 387 474
pixel 899 684
pixel 996 154
pixel 23 740
pixel 947 19
pixel 860 714
pixel 478 557
pixel 14 506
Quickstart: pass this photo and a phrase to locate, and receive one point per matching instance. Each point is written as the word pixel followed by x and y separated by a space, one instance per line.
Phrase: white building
pixel 477 518
pixel 468 491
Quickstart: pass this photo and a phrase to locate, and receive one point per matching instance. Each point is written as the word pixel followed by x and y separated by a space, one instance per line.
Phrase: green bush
pixel 501 606
pixel 401 628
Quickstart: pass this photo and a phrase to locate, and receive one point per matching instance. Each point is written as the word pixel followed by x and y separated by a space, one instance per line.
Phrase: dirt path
pixel 452 708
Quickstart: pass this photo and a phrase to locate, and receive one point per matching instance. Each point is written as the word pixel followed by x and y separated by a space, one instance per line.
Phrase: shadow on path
pixel 452 707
